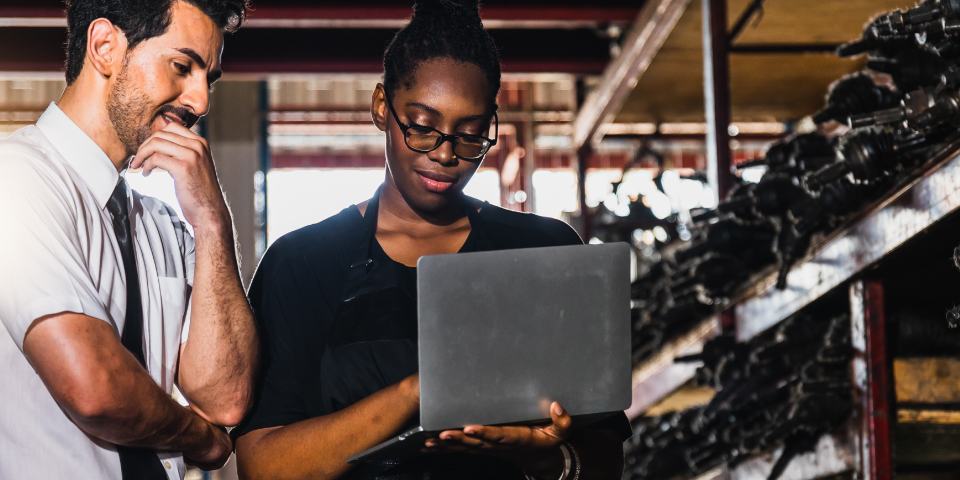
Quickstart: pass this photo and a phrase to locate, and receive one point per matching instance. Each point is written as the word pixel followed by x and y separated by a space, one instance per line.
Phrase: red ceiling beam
pixel 519 16
pixel 22 12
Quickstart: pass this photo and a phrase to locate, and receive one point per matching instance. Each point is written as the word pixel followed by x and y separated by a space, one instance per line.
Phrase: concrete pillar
pixel 235 131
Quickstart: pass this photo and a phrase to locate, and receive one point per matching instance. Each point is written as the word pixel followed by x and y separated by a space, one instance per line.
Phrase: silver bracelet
pixel 567 461
pixel 571 463
pixel 573 469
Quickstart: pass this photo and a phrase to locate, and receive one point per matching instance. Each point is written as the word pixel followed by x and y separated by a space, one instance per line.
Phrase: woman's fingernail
pixel 557 409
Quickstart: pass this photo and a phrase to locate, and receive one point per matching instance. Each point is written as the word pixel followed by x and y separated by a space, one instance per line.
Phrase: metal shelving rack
pixel 840 260
pixel 926 198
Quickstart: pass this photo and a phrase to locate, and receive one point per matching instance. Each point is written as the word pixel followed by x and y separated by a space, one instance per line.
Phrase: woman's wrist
pixel 409 389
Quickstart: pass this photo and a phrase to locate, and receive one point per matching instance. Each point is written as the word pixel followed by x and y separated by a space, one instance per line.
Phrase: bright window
pixel 485 186
pixel 158 185
pixel 300 197
pixel 554 192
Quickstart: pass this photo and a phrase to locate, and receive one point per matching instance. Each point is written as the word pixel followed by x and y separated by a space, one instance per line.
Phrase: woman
pixel 335 300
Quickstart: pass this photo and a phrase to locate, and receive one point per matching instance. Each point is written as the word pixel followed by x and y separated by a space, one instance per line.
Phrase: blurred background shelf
pixel 932 194
pixel 659 377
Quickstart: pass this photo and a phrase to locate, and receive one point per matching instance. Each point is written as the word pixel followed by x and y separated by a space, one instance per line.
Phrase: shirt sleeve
pixel 41 254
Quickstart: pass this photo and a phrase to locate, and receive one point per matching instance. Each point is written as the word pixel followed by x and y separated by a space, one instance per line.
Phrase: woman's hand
pixel 535 449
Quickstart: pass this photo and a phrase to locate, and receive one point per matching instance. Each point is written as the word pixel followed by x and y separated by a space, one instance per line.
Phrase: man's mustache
pixel 186 115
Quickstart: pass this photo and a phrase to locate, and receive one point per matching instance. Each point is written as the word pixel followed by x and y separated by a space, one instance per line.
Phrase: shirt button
pixel 167 465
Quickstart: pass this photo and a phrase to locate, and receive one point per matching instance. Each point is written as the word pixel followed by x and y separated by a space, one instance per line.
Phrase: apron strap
pixel 478 227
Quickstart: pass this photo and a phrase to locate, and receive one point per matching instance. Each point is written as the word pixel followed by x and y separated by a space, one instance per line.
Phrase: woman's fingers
pixel 484 439
pixel 560 428
pixel 451 444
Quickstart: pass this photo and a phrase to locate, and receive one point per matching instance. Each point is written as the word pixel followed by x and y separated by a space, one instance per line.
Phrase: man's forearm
pixel 103 388
pixel 148 419
pixel 219 361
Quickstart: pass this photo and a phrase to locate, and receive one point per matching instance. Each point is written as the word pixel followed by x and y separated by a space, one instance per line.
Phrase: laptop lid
pixel 503 334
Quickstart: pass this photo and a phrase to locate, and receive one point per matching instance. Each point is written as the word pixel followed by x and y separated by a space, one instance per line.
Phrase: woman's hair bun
pixel 442 29
pixel 447 8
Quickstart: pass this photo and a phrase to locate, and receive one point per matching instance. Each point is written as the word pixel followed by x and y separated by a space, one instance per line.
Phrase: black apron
pixel 373 344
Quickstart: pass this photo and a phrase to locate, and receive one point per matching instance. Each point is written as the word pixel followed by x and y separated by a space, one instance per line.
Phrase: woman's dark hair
pixel 442 29
pixel 139 20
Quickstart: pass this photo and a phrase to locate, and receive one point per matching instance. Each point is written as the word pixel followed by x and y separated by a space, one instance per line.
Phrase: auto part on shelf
pixel 922 333
pixel 787 387
pixel 855 94
pixel 732 236
pixel 868 155
pixel 911 68
pixel 878 37
pixel 953 317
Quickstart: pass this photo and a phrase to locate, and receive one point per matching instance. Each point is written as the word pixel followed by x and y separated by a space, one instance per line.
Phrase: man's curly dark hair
pixel 139 20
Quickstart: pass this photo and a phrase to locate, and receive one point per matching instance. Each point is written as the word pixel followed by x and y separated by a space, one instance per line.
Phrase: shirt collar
pixel 80 152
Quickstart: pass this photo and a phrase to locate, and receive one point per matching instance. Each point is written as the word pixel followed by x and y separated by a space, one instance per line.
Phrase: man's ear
pixel 378 108
pixel 106 47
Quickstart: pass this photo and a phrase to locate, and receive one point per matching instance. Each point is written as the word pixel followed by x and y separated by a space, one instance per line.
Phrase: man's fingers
pixel 191 141
pixel 172 144
pixel 158 160
pixel 180 130
pixel 160 146
pixel 167 146
pixel 184 132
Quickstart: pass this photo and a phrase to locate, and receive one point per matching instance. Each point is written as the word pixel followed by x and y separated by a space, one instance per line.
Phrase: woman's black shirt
pixel 297 293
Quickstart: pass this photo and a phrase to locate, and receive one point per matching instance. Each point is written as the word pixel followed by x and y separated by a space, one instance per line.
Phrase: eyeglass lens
pixel 425 140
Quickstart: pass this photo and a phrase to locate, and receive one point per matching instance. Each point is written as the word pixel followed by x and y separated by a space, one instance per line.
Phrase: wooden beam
pixel 938 417
pixel 685 397
pixel 660 376
pixel 927 380
pixel 652 27
pixel 781 48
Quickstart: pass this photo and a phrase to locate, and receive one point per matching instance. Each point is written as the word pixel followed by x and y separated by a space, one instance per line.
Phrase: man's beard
pixel 129 110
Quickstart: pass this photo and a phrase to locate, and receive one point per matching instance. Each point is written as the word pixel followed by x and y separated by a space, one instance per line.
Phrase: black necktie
pixel 135 463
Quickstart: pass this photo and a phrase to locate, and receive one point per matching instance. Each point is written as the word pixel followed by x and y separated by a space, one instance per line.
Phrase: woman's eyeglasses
pixel 425 139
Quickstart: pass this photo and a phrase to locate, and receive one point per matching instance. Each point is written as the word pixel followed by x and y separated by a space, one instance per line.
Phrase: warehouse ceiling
pixel 564 36
pixel 324 36
pixel 764 86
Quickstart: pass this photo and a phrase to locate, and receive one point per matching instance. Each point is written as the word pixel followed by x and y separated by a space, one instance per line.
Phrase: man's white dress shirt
pixel 59 253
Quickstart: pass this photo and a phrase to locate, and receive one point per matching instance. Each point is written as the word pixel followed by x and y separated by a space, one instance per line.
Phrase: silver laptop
pixel 503 334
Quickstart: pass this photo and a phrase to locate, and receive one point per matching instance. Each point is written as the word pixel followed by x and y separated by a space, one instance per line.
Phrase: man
pixel 106 300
